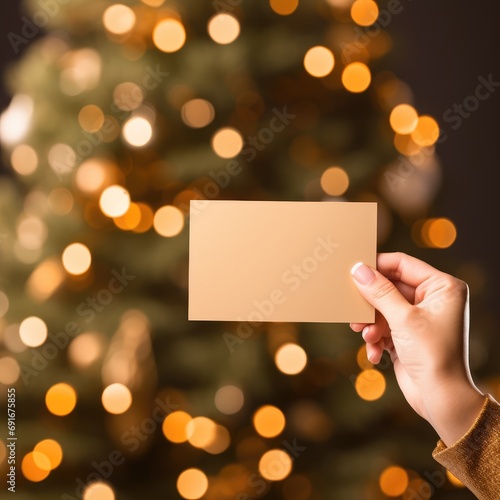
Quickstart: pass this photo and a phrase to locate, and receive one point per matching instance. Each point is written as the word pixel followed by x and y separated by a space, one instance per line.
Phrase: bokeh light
pixel 33 331
pixel 454 480
pixel 90 176
pixel 168 221
pixel 275 465
pixel 269 421
pixel 128 96
pixel 137 131
pixel 116 398
pixel 52 450
pixel 393 481
pixel 118 19
pixel 31 232
pixel 405 145
pixel 60 399
pixel 9 370
pixel 45 279
pixel 364 12
pixel 30 468
pixel 147 217
pixel 403 119
pixel 114 201
pixel 439 233
pixel 426 132
pixel 200 431
pixel 370 384
pixel 220 442
pixel 334 181
pixel 356 77
pixel 174 426
pixel 227 143
pixel 229 399
pixel 197 113
pixel 4 304
pixel 290 359
pixel 192 484
pixel 99 491
pixel 60 201
pixel 86 349
pixel 76 259
pixel 130 219
pixel 91 118
pixel 223 28
pixel 319 61
pixel 284 7
pixel 169 35
pixel 24 159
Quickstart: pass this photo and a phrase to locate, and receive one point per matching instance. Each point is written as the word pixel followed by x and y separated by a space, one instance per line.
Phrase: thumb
pixel 380 293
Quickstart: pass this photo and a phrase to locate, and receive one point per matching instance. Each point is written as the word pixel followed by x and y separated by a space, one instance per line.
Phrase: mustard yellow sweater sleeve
pixel 475 458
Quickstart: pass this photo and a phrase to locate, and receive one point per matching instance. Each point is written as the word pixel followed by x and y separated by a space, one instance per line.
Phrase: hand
pixel 422 321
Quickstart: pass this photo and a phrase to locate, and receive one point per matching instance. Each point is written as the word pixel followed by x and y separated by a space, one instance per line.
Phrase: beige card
pixel 255 261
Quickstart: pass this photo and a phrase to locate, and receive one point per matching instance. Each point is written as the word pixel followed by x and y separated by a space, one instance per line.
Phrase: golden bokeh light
pixel 403 119
pixel 275 465
pixel 290 359
pixel 31 471
pixel 45 279
pixel 128 96
pixel 269 421
pixel 60 399
pixel 50 449
pixel 9 370
pixel 454 480
pixel 169 35
pixel 174 426
pixel 33 331
pixel 223 28
pixel 90 176
pixel 364 12
pixel 284 7
pixel 91 118
pixel 137 131
pixel 86 349
pixel 439 233
pixel 31 232
pixel 370 384
pixel 153 3
pixel 116 398
pixel 356 77
pixel 405 145
pixel 197 113
pixel 76 259
pixel 168 221
pixel 192 484
pixel 393 481
pixel 24 159
pixel 362 358
pixel 60 201
pixel 99 491
pixel 426 132
pixel 227 143
pixel 201 431
pixel 319 61
pixel 147 217
pixel 4 304
pixel 229 399
pixel 220 442
pixel 118 19
pixel 114 201
pixel 334 181
pixel 130 219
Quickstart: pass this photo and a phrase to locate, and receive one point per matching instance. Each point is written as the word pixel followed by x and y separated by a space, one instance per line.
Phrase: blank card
pixel 257 261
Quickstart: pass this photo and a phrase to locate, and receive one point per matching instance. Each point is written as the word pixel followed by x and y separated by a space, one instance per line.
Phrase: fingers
pixel 401 267
pixel 381 293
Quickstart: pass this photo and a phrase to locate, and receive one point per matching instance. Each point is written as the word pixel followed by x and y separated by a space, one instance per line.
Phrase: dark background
pixel 442 48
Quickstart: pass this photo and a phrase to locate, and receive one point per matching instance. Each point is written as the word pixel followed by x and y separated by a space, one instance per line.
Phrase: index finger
pixel 402 267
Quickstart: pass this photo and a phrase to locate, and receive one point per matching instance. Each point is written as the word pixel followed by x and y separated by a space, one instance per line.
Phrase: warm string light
pixel 114 201
pixel 370 384
pixel 334 181
pixel 168 221
pixel 33 331
pixel 284 7
pixel 169 35
pixel 229 399
pixel 227 143
pixel 364 12
pixel 9 370
pixel 269 421
pixel 99 491
pixel 223 28
pixel 76 259
pixel 60 399
pixel 197 113
pixel 356 77
pixel 137 131
pixel 116 398
pixel 119 19
pixel 290 359
pixel 319 61
pixel 275 465
pixel 393 481
pixel 192 484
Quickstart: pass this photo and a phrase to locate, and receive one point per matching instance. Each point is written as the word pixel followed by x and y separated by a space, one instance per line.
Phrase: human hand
pixel 422 321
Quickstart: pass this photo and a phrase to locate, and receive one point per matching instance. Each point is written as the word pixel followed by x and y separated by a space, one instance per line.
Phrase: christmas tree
pixel 123 113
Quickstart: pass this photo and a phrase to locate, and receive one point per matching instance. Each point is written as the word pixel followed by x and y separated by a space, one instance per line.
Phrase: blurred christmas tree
pixel 124 113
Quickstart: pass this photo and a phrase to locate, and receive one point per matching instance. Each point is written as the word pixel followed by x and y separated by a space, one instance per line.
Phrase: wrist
pixel 453 409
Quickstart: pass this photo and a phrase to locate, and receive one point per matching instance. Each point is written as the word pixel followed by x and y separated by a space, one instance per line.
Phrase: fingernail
pixel 365 330
pixel 362 273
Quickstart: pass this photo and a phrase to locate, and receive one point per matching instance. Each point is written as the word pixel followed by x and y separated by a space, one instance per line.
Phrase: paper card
pixel 256 261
